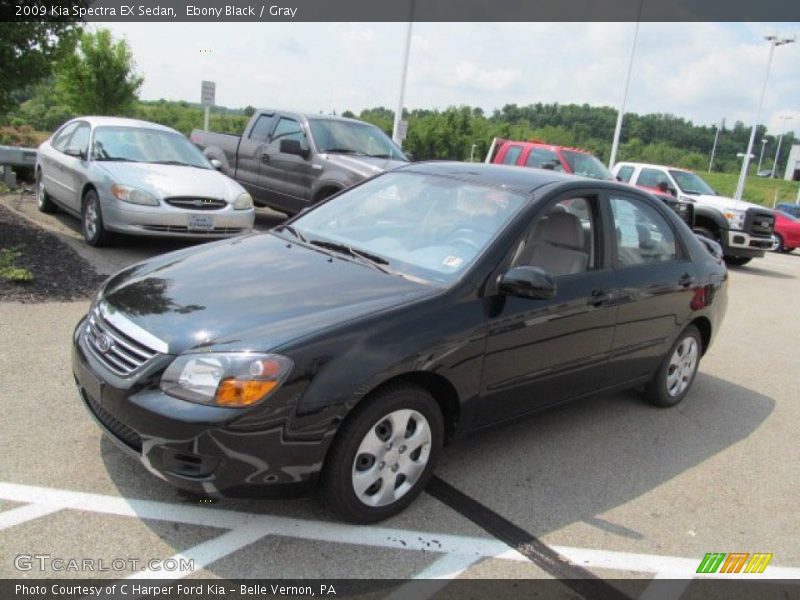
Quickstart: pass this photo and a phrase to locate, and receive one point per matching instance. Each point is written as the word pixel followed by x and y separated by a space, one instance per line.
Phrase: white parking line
pixel 29 512
pixel 467 549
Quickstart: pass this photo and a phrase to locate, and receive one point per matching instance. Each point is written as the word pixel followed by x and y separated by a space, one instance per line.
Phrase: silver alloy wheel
pixel 391 458
pixel 682 366
pixel 40 193
pixel 90 218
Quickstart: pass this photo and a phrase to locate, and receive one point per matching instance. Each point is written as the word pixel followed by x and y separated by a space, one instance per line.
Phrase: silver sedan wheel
pixel 682 366
pixel 90 218
pixel 40 193
pixel 391 458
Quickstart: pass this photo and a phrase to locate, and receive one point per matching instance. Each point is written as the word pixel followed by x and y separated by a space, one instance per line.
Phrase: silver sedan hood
pixel 164 181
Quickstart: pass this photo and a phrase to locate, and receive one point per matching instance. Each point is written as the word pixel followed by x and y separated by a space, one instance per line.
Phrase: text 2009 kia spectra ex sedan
pixel 134 177
pixel 343 348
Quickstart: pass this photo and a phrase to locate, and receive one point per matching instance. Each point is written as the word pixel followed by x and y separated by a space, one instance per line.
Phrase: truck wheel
pixel 383 455
pixel 706 233
pixel 676 374
pixel 779 247
pixel 43 200
pixel 737 261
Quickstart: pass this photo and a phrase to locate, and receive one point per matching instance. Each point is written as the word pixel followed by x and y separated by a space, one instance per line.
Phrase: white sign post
pixel 207 92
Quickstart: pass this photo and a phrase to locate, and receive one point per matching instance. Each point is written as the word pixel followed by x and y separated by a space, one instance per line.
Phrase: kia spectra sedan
pixel 133 177
pixel 341 350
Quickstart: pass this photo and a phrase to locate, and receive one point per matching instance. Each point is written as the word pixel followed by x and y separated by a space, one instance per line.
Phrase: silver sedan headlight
pixel 127 193
pixel 243 202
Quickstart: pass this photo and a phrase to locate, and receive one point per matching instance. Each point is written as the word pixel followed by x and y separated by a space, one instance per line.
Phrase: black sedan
pixel 344 348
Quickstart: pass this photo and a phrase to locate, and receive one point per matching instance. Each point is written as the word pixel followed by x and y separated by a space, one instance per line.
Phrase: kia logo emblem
pixel 104 343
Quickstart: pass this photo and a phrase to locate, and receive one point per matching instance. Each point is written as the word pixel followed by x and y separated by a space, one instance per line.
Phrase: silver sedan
pixel 127 176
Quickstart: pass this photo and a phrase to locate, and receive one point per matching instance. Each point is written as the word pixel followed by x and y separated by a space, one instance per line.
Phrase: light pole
pixel 783 118
pixel 714 147
pixel 618 128
pixel 397 134
pixel 761 156
pixel 774 42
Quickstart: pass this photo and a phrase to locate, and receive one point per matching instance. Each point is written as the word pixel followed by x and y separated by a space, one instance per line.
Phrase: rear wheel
pixel 676 374
pixel 383 455
pixel 43 200
pixel 94 231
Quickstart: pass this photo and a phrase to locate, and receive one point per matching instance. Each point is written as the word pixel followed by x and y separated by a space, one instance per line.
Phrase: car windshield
pixel 142 144
pixel 425 227
pixel 691 183
pixel 352 137
pixel 586 165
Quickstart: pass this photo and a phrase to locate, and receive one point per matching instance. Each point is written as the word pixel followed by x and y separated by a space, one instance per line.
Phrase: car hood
pixel 251 293
pixel 164 181
pixel 364 166
pixel 723 202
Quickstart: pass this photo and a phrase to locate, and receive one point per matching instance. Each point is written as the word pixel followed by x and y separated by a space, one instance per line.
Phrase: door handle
pixel 264 157
pixel 686 280
pixel 599 297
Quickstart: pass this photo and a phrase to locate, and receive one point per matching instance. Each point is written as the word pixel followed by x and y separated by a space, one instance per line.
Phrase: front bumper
pixel 168 221
pixel 742 244
pixel 206 450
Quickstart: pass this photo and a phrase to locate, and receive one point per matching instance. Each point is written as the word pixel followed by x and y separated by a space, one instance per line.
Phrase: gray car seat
pixel 557 245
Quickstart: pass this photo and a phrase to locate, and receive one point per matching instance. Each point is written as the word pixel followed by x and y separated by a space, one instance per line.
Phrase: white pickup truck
pixel 743 229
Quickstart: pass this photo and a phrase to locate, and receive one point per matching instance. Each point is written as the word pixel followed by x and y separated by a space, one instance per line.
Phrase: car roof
pixel 95 121
pixel 524 180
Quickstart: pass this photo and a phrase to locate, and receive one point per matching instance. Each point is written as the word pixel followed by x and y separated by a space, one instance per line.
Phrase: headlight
pixel 134 195
pixel 225 378
pixel 243 202
pixel 735 218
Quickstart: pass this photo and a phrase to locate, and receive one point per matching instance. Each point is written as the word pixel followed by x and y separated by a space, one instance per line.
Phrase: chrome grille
pixel 197 203
pixel 119 352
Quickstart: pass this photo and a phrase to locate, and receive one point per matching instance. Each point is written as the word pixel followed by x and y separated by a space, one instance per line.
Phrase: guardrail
pixel 12 156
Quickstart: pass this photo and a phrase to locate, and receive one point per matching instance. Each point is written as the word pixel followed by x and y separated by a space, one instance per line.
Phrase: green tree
pixel 99 77
pixel 27 52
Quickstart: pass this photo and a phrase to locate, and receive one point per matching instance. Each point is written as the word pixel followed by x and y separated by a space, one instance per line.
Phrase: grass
pixel 760 190
pixel 8 270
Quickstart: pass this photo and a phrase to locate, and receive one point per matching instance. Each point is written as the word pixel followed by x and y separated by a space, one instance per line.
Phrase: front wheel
pixel 383 455
pixel 94 231
pixel 737 261
pixel 778 244
pixel 44 203
pixel 676 374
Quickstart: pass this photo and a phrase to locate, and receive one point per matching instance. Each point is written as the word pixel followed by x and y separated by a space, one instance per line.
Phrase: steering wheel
pixel 459 236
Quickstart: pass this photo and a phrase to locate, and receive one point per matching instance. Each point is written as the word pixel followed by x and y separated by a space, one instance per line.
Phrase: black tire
pixel 337 485
pixel 737 261
pixel 706 233
pixel 659 392
pixel 92 226
pixel 43 200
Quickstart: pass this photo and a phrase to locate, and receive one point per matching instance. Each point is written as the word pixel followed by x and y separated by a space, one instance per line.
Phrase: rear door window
pixel 624 173
pixel 512 155
pixel 262 128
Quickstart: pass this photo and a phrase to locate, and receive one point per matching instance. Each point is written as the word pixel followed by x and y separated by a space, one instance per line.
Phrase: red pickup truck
pixel 539 155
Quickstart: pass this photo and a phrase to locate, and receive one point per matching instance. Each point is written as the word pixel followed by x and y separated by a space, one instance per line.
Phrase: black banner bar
pixel 402 10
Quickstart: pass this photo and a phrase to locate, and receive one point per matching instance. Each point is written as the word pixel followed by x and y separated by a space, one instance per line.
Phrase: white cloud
pixel 700 71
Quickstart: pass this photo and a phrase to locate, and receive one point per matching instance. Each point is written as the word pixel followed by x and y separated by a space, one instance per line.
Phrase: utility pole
pixel 618 128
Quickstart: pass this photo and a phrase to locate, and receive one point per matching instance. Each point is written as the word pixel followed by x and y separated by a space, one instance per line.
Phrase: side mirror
pixel 527 282
pixel 73 151
pixel 216 164
pixel 292 147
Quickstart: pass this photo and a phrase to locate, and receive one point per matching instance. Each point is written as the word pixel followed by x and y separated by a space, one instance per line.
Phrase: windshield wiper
pixel 372 259
pixel 380 155
pixel 294 232
pixel 173 162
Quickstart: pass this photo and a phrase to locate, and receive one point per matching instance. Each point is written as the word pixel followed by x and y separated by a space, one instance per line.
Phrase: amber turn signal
pixel 236 392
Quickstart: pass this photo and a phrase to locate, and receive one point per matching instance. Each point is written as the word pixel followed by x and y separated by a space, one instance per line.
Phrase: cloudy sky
pixel 700 71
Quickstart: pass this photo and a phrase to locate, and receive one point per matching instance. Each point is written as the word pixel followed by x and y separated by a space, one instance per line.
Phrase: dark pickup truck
pixel 289 161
